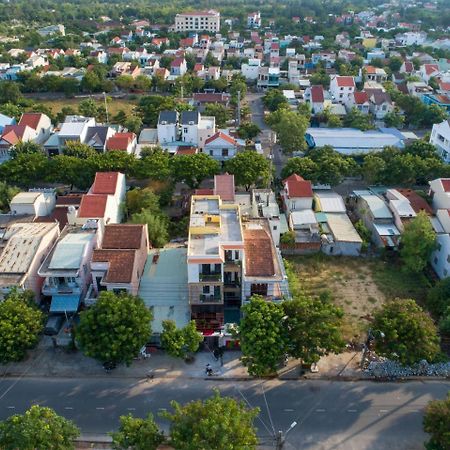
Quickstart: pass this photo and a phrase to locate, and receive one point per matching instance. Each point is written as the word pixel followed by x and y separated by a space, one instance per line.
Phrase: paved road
pixel 330 415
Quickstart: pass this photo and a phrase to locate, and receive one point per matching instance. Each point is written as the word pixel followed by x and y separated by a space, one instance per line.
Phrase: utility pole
pixel 238 121
pixel 280 440
pixel 182 92
pixel 106 107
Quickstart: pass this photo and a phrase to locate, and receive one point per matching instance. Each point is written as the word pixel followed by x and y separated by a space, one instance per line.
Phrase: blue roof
pixel 65 303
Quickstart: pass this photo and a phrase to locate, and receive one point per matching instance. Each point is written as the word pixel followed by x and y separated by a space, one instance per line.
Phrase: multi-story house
pixel 296 194
pixel 342 88
pixel 66 268
pixel 316 98
pixel 23 246
pixel 380 102
pixel 440 138
pixel 40 123
pixel 375 74
pixel 254 20
pixel 119 263
pixel 178 67
pixel 198 21
pixel 74 128
pixel 168 130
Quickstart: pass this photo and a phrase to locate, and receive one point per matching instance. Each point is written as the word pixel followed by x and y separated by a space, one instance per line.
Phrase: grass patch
pixel 372 300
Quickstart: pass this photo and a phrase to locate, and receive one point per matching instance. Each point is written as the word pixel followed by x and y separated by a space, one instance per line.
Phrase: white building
pixel 250 70
pixel 297 194
pixel 35 203
pixel 198 21
pixel 342 88
pixel 168 127
pixel 440 138
pixel 254 20
pixel 411 38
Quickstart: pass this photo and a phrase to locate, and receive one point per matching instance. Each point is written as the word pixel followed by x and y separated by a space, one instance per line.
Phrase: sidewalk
pixel 47 361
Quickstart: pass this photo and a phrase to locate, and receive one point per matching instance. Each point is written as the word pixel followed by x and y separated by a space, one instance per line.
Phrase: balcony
pixel 210 298
pixel 216 276
pixel 232 266
pixel 232 283
pixel 61 288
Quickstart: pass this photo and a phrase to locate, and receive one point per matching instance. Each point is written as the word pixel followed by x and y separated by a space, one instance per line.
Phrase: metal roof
pixel 342 228
pixel 25 198
pixel 377 206
pixel 329 201
pixel 69 251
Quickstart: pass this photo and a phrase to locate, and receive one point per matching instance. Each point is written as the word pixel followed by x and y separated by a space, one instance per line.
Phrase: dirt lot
pixel 358 285
pixel 114 106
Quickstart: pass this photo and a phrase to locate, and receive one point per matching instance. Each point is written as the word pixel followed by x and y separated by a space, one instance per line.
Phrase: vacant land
pixel 358 285
pixel 114 105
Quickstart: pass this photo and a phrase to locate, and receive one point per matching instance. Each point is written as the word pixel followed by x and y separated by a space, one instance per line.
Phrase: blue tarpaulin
pixel 64 303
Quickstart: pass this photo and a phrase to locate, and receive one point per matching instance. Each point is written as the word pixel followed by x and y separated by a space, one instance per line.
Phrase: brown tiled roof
pixel 224 186
pixel 121 264
pixel 93 206
pixel 120 141
pixel 297 186
pixel 59 215
pixel 31 119
pixel 122 236
pixel 445 184
pixel 105 183
pixel 417 202
pixel 71 199
pixel 258 254
pixel 317 94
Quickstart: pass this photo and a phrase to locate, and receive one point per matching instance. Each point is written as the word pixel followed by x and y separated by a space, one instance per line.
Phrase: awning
pixel 64 303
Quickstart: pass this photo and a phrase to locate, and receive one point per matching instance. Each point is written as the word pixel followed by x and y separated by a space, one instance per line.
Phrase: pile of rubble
pixel 385 368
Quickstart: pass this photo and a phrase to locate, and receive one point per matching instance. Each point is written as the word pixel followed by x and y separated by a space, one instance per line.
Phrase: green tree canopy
pixel 154 164
pixel 79 150
pixel 273 99
pixel 290 127
pixel 357 119
pixel 38 428
pixel 263 336
pixel 7 192
pixel 219 423
pixel 220 112
pixel 249 169
pixel 21 323
pixel 394 119
pixel 179 342
pixel 436 422
pixel 114 328
pixel 417 243
pixel 438 298
pixel 314 328
pixel 248 130
pixel 193 169
pixel 25 148
pixel 139 199
pixel 409 333
pixel 305 167
pixel 137 434
pixel 88 108
pixel 158 227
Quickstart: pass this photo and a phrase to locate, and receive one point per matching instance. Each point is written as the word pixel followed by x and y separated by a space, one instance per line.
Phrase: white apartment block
pixel 440 138
pixel 198 21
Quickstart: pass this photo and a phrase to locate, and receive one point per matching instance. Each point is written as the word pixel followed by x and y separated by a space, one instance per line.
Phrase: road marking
pixel 289 410
pixel 68 407
pixel 162 409
pixel 11 407
pixel 384 410
pixel 131 409
pixel 100 407
pixel 320 410
pixel 352 410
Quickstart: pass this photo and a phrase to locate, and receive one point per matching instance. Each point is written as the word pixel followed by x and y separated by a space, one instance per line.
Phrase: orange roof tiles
pixel 121 264
pixel 224 186
pixel 220 135
pixel 105 183
pixel 120 141
pixel 93 206
pixel 296 186
pixel 122 236
pixel 258 254
pixel 31 119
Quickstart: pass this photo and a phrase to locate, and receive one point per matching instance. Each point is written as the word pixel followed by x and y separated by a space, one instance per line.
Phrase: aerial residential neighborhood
pixel 225 226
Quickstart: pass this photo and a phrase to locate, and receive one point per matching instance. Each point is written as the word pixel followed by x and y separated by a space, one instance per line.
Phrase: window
pixel 185 130
pixel 236 254
pixel 259 289
pixel 206 269
pixel 439 246
pixel 435 260
pixel 216 291
pixel 206 289
pixel 217 268
pixel 224 152
pixel 448 258
pixel 275 228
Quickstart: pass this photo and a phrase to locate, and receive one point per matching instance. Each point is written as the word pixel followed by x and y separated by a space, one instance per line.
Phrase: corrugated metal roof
pixel 342 228
pixel 329 201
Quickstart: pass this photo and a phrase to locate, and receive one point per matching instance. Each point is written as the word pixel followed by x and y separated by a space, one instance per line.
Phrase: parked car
pixel 53 325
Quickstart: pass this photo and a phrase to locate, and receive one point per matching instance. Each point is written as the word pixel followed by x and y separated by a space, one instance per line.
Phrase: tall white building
pixel 440 138
pixel 198 21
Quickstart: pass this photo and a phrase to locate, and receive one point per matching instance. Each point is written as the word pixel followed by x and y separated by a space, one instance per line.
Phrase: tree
pixel 24 169
pixel 291 128
pixel 157 224
pixel 88 108
pixel 395 63
pixel 137 434
pixel 373 168
pixel 7 192
pixel 433 114
pixel 193 169
pixel 114 328
pixel 356 119
pixel 394 119
pixel 21 323
pixel 273 99
pixel 25 148
pixel 133 123
pixel 154 164
pixel 305 167
pixel 417 244
pixel 409 333
pixel 263 336
pixel 334 121
pixel 10 92
pixel 72 170
pixel 180 342
pixel 11 110
pixel 304 109
pixel 150 106
pixel 219 423
pixel 438 298
pixel 436 422
pixel 220 112
pixel 314 328
pixel 125 82
pixel 37 428
pixel 248 130
pixel 79 150
pixel 139 199
pixel 422 149
pixel 249 168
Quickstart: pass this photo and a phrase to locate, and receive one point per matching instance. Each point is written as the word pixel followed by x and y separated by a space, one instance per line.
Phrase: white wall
pixel 167 133
pixel 439 258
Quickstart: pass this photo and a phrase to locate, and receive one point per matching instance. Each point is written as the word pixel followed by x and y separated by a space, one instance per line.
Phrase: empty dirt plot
pixel 358 285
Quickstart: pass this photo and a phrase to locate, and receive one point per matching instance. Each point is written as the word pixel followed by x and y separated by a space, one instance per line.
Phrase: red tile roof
pixel 361 97
pixel 186 151
pixel 18 130
pixel 417 202
pixel 177 62
pixel 431 68
pixel 31 119
pixel 444 85
pixel 204 191
pixel 121 264
pixel 93 206
pixel 224 186
pixel 445 184
pixel 123 236
pixel 409 67
pixel 120 141
pixel 345 81
pixel 296 186
pixel 70 199
pixel 317 94
pixel 220 135
pixel 258 254
pixel 105 183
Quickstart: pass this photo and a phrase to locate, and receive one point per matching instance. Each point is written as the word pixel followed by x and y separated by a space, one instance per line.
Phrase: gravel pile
pixel 392 369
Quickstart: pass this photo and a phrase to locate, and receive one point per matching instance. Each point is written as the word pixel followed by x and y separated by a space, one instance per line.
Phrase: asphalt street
pixel 329 415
